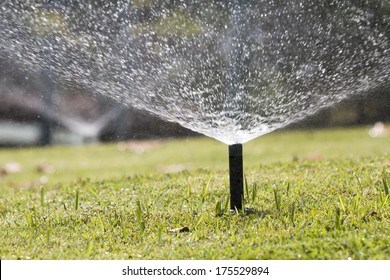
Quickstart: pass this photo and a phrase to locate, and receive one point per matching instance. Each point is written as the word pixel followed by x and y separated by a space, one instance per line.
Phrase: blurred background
pixel 35 110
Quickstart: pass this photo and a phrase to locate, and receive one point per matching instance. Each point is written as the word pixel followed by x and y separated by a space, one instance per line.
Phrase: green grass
pixel 321 194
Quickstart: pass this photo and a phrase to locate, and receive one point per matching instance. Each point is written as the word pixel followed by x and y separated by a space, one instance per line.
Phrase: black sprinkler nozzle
pixel 236 177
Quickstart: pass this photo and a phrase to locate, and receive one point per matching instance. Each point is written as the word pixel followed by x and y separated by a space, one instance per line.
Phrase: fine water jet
pixel 231 70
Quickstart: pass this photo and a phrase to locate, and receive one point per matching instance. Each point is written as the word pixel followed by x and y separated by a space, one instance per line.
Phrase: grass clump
pixel 316 195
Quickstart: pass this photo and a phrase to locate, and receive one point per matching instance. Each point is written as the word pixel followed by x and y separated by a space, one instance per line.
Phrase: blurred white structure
pixel 379 130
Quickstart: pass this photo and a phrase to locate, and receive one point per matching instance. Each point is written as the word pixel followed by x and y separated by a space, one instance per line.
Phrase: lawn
pixel 317 194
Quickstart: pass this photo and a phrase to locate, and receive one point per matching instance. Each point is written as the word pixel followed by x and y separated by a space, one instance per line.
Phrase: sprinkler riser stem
pixel 236 174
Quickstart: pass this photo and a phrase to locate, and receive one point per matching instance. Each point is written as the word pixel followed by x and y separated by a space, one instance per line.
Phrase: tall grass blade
pixel 138 211
pixel 101 222
pixel 385 185
pixel 30 219
pixel 227 202
pixel 254 192
pixel 342 203
pixel 76 205
pixel 96 195
pixel 288 188
pixel 48 237
pixel 357 200
pixel 292 214
pixel 42 197
pixel 218 208
pixel 159 235
pixel 206 189
pixel 246 187
pixel 277 200
pixel 90 248
pixel 125 233
pixel 338 218
pixel 199 221
pixel 140 220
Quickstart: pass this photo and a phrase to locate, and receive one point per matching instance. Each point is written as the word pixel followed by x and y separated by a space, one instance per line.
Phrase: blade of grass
pixel 96 195
pixel 254 192
pixel 288 188
pixel 292 214
pixel 277 200
pixel 218 208
pixel 199 221
pixel 206 188
pixel 140 220
pixel 246 187
pixel 76 206
pixel 385 185
pixel 42 197
pixel 101 222
pixel 341 203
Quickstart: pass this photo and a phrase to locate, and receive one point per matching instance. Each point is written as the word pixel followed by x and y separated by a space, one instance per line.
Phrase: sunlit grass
pixel 321 194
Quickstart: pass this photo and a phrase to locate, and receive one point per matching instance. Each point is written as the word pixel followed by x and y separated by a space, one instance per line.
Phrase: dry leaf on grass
pixel 372 213
pixel 45 168
pixel 2 172
pixel 179 230
pixel 173 168
pixel 315 156
pixel 139 147
pixel 11 167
